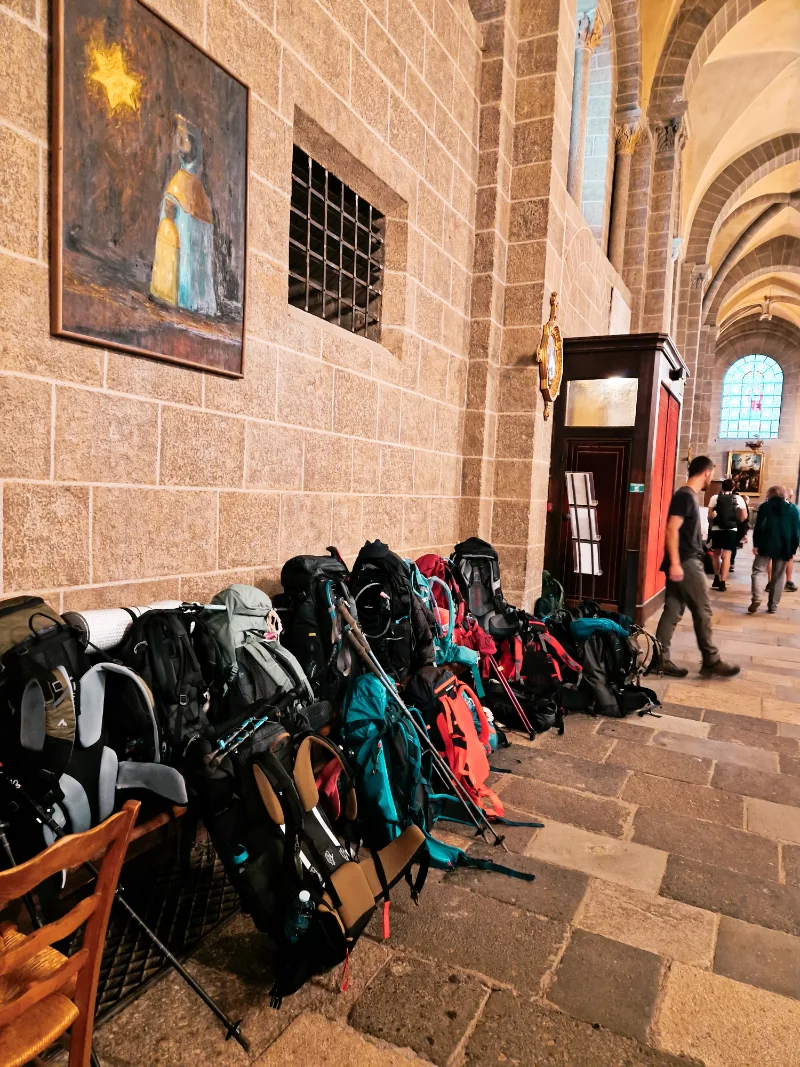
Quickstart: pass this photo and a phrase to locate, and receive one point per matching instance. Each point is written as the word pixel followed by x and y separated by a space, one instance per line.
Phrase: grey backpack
pixel 255 665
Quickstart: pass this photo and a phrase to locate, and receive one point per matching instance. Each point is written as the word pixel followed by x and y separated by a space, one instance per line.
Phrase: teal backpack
pixel 393 777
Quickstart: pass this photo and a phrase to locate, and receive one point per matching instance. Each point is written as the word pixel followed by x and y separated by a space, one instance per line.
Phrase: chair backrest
pixel 70 851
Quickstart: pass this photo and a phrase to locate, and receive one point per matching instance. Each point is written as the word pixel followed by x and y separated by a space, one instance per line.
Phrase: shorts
pixel 725 540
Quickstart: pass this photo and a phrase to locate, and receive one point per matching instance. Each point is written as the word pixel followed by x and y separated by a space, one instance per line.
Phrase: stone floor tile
pixel 556 891
pixel 779 821
pixel 600 814
pixel 621 862
pixel 707 841
pixel 650 922
pixel 625 730
pixel 779 788
pixel 584 744
pixel 663 763
pixel 735 736
pixel 680 711
pixel 791 864
pixel 419 1005
pixel 789 729
pixel 558 768
pixel 722 751
pixel 781 711
pixel 315 1039
pixel 740 722
pixel 471 931
pixel 511 1030
pixel 754 900
pixel 726 1023
pixel 715 697
pixel 762 653
pixel 786 667
pixel 603 981
pixel 677 724
pixel 790 764
pixel 517 838
pixel 766 958
pixel 789 694
pixel 694 801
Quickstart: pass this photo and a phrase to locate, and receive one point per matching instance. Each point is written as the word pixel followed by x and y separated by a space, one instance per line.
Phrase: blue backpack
pixel 393 777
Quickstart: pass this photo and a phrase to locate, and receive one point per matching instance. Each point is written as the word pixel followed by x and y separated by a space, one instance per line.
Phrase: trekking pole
pixel 361 645
pixel 512 696
pixel 44 818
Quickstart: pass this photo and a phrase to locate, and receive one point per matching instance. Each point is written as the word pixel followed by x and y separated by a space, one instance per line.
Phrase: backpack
pixel 283 820
pixel 612 665
pixel 551 598
pixel 398 626
pixel 477 571
pixel 311 586
pixel 393 777
pixel 725 509
pixel 254 664
pixel 177 656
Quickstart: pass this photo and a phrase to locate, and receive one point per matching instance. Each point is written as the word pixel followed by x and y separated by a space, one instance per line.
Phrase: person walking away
pixel 776 536
pixel 790 587
pixel 686 579
pixel 726 510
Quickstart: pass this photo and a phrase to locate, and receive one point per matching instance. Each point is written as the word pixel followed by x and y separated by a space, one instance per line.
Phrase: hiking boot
pixel 790 587
pixel 716 583
pixel 666 667
pixel 754 606
pixel 720 669
pixel 723 588
pixel 771 609
pixel 731 569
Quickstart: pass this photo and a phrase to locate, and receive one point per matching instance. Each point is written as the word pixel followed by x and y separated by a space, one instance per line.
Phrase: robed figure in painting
pixel 183 264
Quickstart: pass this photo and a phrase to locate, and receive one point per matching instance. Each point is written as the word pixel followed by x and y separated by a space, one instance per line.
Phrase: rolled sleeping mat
pixel 104 628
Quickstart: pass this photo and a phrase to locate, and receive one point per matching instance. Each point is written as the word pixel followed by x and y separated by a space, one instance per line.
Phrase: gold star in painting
pixel 109 70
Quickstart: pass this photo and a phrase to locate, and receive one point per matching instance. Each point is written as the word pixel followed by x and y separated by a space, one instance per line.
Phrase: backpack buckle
pixel 183 700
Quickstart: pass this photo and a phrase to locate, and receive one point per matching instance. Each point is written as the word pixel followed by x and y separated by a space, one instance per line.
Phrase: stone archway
pixel 779 254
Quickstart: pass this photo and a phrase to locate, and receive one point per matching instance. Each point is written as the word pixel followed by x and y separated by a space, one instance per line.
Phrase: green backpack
pixel 551 599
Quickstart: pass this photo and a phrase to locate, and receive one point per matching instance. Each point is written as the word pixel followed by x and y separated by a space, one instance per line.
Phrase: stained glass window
pixel 751 398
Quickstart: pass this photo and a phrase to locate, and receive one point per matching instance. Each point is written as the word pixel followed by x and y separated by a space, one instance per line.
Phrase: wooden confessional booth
pixel 618 416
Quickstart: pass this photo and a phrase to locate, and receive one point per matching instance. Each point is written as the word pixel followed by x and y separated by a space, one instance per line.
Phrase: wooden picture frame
pixel 747 469
pixel 149 204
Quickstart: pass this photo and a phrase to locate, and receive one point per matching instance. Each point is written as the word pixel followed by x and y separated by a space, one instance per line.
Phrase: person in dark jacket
pixel 776 536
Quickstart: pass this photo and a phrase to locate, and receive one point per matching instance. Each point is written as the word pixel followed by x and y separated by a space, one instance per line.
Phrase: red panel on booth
pixel 663 481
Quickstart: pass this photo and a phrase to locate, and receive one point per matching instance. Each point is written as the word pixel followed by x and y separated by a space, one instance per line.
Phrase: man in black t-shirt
pixel 686 580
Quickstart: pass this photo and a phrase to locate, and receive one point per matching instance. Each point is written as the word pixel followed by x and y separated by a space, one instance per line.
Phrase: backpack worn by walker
pixel 725 509
pixel 284 822
pixel 477 571
pixel 395 621
pixel 255 666
pixel 311 629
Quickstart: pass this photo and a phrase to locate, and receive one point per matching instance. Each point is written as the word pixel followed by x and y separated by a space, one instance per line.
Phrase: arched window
pixel 751 398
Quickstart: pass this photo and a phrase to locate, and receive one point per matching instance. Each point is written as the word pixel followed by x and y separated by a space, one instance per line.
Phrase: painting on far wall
pixel 747 471
pixel 150 188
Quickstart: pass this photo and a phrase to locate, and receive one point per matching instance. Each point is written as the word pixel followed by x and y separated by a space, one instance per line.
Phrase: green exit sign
pixel 636 487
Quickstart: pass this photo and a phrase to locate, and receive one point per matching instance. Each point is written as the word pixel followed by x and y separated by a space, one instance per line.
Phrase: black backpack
pixel 477 571
pixel 174 652
pixel 610 674
pixel 394 620
pixel 725 516
pixel 311 587
pixel 279 834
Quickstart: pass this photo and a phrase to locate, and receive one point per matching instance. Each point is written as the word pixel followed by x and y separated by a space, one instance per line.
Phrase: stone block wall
pixel 126 479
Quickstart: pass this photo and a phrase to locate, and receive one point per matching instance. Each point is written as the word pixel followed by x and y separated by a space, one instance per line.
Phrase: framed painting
pixel 747 471
pixel 148 250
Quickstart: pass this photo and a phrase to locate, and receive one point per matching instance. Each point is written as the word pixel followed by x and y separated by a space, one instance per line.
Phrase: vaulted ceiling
pixel 741 94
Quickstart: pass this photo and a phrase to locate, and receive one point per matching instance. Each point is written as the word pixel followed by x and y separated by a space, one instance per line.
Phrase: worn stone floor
pixel 663 927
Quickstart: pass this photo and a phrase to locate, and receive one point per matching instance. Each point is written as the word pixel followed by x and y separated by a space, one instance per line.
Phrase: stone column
pixel 670 137
pixel 626 138
pixel 590 32
pixel 693 343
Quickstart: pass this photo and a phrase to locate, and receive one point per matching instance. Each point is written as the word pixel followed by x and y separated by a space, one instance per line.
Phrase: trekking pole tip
pixel 235 1032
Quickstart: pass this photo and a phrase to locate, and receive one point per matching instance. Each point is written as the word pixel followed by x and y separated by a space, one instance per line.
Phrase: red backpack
pixel 466 748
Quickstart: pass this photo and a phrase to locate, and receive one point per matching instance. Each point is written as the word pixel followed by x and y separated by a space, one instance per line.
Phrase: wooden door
pixel 608 459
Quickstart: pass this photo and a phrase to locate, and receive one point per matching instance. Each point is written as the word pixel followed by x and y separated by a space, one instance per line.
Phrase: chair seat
pixel 41 966
pixel 36 1029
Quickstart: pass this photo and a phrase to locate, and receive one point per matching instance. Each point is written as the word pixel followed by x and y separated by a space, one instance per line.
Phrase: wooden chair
pixel 42 992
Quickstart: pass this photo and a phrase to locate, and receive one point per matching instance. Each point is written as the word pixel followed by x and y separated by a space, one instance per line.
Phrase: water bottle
pixel 298 917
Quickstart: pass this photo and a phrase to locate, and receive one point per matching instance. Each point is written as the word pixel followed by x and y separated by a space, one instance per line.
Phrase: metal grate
pixel 181 904
pixel 336 241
